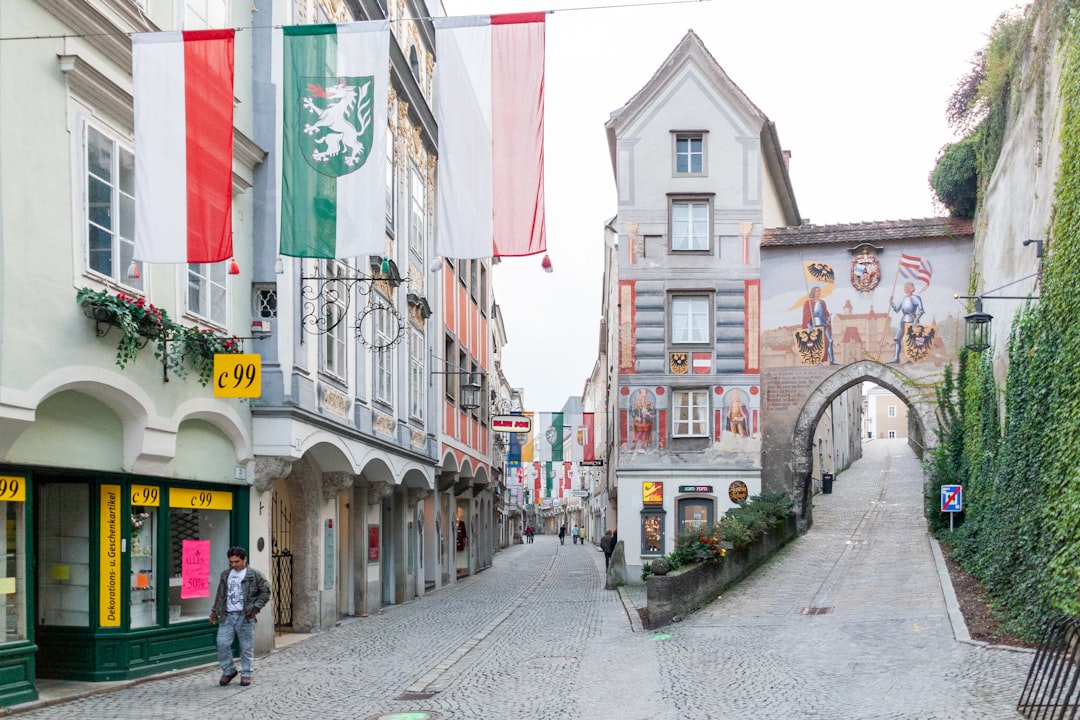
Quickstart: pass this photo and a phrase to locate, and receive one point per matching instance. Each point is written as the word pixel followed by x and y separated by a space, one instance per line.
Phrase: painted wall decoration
pixel 642 420
pixel 898 306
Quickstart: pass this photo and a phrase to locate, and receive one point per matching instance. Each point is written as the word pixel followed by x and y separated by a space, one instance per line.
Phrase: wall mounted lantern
pixel 977 330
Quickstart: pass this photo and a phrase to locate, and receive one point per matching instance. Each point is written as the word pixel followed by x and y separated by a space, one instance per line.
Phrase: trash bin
pixel 826 483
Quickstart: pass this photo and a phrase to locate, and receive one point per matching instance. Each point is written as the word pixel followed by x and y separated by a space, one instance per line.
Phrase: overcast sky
pixel 857 91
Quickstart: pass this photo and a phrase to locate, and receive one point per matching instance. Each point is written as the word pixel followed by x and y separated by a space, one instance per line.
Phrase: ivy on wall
pixel 1020 532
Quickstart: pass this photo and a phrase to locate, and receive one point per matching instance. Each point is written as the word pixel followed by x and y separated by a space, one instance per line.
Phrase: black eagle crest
pixel 822 272
pixel 810 344
pixel 918 341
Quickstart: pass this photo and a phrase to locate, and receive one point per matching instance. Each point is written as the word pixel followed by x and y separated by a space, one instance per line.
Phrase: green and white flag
pixel 333 176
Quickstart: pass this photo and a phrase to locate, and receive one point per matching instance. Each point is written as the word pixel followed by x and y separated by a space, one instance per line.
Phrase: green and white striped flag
pixel 333 182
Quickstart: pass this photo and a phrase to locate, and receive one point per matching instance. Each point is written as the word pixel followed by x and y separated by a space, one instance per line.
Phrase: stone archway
pixel 790 456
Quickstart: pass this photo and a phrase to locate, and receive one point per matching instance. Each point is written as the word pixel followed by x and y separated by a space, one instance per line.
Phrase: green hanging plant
pixel 139 321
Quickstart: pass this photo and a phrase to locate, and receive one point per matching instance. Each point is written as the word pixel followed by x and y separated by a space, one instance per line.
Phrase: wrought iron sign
pixel 325 301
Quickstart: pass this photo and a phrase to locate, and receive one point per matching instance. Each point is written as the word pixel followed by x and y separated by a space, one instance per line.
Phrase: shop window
pixel 143 595
pixel 652 533
pixel 64 555
pixel 694 514
pixel 13 581
pixel 187 527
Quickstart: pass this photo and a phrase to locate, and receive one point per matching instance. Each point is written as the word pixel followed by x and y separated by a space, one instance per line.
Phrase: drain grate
pixel 415 696
pixel 816 610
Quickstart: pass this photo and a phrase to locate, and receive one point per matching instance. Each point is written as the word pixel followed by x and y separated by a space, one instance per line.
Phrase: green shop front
pixel 124 569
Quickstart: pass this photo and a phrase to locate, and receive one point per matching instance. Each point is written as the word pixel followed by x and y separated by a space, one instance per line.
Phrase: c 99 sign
pixel 238 375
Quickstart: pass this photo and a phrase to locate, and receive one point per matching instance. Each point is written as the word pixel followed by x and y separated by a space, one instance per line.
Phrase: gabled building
pixel 699 173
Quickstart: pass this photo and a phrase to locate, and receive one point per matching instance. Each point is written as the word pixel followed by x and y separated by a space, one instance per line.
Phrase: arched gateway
pixel 844 304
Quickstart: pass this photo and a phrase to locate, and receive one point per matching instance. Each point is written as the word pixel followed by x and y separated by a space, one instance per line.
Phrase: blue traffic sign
pixel 952 498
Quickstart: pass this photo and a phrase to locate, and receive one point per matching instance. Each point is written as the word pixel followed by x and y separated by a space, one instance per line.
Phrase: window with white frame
pixel 383 353
pixel 892 411
pixel 203 14
pixel 391 200
pixel 483 289
pixel 417 212
pixel 690 225
pixel 892 434
pixel 110 206
pixel 206 296
pixel 690 413
pixel 689 319
pixel 417 356
pixel 334 307
pixel 690 153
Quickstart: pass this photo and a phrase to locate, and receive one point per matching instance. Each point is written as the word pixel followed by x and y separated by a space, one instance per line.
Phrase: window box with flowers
pixel 138 320
pixel 199 347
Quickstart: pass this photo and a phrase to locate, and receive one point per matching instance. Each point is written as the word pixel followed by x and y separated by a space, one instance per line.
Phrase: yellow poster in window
pixel 109 600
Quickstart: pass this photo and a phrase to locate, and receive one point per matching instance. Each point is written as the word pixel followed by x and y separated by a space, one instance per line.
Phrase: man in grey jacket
pixel 242 592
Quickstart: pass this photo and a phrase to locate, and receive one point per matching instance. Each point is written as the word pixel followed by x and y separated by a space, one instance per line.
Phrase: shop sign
pixel 511 423
pixel 109 605
pixel 695 488
pixel 146 495
pixel 373 543
pixel 652 493
pixel 12 488
pixel 200 499
pixel 738 491
pixel 237 375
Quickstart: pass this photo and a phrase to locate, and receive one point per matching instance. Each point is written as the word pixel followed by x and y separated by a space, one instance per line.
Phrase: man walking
pixel 608 548
pixel 241 593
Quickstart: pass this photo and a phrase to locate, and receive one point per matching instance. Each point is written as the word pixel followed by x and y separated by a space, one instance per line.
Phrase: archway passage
pixel 789 460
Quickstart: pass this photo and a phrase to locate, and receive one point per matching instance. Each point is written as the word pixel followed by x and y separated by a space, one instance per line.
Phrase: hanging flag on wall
pixel 489 91
pixel 183 96
pixel 333 145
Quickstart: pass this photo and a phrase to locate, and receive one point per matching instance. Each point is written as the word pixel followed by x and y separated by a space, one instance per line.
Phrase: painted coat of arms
pixel 810 345
pixel 339 138
pixel 918 341
pixel 865 272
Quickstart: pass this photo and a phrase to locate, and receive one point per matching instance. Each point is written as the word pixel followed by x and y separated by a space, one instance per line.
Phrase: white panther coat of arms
pixel 339 138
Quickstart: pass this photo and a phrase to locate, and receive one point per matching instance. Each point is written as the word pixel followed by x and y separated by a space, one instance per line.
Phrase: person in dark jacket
pixel 607 545
pixel 562 534
pixel 241 593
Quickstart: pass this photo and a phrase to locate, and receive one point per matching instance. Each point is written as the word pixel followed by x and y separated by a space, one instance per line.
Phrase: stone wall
pixel 683 591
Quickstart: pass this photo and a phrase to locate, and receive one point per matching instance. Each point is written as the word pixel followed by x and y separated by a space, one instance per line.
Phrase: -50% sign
pixel 237 375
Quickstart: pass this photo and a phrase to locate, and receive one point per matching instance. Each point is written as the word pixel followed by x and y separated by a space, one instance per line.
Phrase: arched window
pixel 414 63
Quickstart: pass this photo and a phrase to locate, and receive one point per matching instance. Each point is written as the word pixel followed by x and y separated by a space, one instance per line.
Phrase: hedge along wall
pixel 1021 531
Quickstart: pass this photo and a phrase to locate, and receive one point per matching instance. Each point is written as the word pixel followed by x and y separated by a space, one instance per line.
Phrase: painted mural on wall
pixel 731 420
pixel 834 306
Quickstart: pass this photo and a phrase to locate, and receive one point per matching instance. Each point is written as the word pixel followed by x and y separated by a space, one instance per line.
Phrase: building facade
pixel 699 173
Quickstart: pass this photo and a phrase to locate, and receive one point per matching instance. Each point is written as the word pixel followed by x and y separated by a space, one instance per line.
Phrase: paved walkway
pixel 536 638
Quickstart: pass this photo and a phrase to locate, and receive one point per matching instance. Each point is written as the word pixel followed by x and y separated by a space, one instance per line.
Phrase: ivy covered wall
pixel 1020 534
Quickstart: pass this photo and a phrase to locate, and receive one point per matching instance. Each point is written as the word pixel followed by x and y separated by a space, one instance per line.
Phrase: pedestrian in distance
pixel 241 593
pixel 608 547
pixel 562 534
pixel 574 535
pixel 528 533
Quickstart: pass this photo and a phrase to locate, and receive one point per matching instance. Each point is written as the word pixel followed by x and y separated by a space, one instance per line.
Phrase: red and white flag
pixel 183 83
pixel 702 363
pixel 489 92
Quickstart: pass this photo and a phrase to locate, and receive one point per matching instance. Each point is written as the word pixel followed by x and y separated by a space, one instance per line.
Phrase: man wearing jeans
pixel 242 592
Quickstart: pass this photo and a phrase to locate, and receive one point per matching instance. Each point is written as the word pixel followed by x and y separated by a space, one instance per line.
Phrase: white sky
pixel 857 91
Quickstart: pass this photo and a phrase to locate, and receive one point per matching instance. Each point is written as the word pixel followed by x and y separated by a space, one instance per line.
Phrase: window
pixel 206 291
pixel 449 379
pixel 473 284
pixel 334 306
pixel 690 413
pixel 390 198
pixel 892 434
pixel 694 514
pixel 652 533
pixel 187 526
pixel 110 207
pixel 690 319
pixel 144 555
pixel 416 373
pixel 462 365
pixel 202 14
pixel 417 212
pixel 462 271
pixel 690 225
pixel 383 360
pixel 689 154
pixel 63 563
pixel 892 411
pixel 483 289
pixel 14 574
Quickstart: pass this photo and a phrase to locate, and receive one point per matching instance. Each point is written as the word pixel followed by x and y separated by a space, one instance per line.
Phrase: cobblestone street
pixel 536 637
